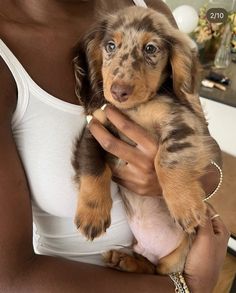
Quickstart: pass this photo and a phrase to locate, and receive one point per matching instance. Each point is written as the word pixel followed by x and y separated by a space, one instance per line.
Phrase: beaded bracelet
pixel 220 182
pixel 180 284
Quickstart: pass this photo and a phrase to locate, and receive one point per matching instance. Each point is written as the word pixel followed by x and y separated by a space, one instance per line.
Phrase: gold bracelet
pixel 220 182
pixel 180 284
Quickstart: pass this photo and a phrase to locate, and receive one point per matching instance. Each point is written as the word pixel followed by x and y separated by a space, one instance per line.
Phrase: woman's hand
pixel 207 254
pixel 139 174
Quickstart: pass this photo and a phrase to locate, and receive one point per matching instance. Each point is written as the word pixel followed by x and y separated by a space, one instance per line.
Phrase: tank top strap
pixel 20 78
pixel 140 3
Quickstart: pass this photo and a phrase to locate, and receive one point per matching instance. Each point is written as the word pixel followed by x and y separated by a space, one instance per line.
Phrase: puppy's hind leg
pixel 175 261
pixel 128 263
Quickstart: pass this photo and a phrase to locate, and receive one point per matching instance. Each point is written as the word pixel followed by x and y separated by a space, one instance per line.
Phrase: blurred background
pixel 227 4
pixel 212 27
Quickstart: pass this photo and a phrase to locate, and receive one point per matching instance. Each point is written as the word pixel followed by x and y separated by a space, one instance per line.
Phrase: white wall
pixel 222 124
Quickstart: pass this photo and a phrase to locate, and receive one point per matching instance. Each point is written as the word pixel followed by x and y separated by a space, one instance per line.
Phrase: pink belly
pixel 156 232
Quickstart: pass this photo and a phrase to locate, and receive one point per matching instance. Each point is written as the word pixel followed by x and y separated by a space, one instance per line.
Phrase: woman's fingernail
pixel 89 118
pixel 103 107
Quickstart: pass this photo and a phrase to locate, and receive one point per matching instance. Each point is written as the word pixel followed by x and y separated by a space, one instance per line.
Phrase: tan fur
pixel 182 156
pixel 128 263
pixel 176 259
pixel 94 204
pixel 149 115
pixel 118 38
pixel 174 262
pixel 189 210
pixel 144 81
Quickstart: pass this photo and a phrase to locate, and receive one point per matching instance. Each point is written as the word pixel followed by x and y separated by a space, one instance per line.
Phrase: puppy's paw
pixel 128 263
pixel 119 260
pixel 93 218
pixel 189 216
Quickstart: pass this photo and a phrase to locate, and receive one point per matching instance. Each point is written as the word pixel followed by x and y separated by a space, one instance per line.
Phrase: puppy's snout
pixel 121 91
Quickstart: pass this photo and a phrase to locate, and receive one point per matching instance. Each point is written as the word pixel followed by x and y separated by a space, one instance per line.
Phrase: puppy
pixel 137 61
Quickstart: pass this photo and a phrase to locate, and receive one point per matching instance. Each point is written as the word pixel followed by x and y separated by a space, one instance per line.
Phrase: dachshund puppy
pixel 137 61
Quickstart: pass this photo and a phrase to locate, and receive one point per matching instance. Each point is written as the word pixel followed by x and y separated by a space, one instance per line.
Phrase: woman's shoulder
pixel 8 92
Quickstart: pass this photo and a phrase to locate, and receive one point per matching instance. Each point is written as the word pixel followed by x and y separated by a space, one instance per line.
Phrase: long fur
pixel 159 91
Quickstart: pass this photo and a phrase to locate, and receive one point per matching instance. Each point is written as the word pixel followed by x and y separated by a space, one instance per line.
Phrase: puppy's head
pixel 129 55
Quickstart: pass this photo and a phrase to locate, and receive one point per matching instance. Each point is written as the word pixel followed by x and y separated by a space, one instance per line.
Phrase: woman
pixel 39 120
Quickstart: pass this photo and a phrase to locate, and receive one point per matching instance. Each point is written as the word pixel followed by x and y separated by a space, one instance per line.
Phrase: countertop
pixel 227 97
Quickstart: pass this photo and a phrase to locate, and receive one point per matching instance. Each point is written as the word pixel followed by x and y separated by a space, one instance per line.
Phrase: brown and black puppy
pixel 138 62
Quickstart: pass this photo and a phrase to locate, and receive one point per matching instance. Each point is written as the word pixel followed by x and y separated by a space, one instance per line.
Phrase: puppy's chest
pixel 152 116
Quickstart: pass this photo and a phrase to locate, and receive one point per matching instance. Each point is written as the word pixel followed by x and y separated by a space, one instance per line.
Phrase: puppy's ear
pixel 81 73
pixel 88 69
pixel 185 71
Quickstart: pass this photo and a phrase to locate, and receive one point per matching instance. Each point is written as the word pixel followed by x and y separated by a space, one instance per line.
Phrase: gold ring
pixel 215 216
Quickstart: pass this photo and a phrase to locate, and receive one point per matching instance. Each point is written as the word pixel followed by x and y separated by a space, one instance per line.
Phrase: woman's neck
pixel 51 11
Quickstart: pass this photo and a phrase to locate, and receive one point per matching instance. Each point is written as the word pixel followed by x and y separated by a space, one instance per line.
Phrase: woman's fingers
pixel 138 188
pixel 206 230
pixel 131 178
pixel 139 174
pixel 218 225
pixel 114 145
pixel 208 227
pixel 135 170
pixel 210 210
pixel 132 130
pixel 131 186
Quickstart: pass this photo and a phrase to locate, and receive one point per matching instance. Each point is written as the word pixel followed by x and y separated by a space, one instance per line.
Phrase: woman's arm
pixel 21 270
pixel 207 254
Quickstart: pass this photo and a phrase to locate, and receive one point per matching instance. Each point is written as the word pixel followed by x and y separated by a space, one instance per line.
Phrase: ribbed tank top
pixel 45 128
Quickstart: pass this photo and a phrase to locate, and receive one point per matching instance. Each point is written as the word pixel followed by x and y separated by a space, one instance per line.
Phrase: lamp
pixel 186 18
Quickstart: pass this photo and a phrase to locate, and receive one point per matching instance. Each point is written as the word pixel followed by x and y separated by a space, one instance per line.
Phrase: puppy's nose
pixel 121 91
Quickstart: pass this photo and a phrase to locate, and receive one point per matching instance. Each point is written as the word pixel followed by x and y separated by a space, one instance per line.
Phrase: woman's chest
pixel 46 54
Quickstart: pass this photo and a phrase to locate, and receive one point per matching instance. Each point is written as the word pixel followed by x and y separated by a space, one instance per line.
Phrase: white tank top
pixel 44 129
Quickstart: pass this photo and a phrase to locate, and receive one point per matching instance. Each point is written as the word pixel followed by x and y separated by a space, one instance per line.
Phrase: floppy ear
pixel 88 69
pixel 185 71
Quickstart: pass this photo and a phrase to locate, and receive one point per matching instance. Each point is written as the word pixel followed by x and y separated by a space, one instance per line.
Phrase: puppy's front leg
pixel 93 176
pixel 183 195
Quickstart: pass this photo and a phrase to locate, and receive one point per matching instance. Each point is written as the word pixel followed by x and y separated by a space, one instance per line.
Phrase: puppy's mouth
pixel 125 95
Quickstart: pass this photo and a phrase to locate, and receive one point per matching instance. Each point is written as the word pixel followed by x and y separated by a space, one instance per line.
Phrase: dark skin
pixel 138 175
pixel 47 31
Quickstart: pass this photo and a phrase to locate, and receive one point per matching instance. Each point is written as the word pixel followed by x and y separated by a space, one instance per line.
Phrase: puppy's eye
pixel 151 48
pixel 110 47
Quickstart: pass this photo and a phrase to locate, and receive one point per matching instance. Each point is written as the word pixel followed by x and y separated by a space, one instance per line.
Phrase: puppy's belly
pixel 156 232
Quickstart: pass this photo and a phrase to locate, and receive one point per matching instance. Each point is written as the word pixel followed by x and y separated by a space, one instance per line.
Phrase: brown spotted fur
pixel 163 100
